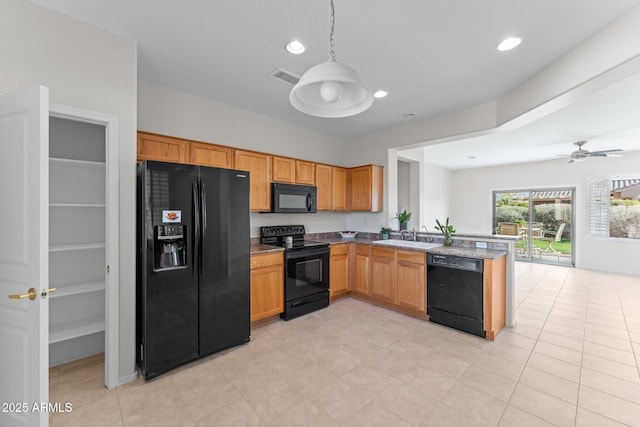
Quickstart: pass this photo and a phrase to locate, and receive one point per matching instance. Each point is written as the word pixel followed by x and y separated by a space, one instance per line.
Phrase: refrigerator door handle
pixel 203 202
pixel 195 262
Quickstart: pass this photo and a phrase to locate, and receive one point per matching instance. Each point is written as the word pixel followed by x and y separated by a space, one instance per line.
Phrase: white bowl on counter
pixel 348 234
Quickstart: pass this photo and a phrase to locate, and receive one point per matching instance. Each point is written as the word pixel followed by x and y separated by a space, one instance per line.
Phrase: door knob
pixel 31 294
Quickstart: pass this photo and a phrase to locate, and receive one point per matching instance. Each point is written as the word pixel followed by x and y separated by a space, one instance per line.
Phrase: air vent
pixel 286 77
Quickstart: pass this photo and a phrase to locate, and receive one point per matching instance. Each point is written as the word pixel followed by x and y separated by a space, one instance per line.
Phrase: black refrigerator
pixel 193 266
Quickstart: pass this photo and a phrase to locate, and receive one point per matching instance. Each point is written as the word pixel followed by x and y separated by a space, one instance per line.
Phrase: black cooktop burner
pixel 290 237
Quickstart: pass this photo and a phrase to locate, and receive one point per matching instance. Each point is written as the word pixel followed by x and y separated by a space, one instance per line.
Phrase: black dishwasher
pixel 454 292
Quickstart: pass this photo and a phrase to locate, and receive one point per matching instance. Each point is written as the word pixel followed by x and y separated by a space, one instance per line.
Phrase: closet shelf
pixel 63 290
pixel 76 247
pixel 77 205
pixel 78 328
pixel 77 162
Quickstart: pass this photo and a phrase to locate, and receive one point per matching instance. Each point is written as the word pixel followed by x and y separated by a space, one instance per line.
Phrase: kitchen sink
pixel 407 244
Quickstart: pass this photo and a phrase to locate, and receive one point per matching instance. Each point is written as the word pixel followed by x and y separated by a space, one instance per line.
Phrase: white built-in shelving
pixel 77 239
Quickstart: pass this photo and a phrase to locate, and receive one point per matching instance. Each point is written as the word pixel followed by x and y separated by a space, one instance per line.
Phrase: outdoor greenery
pixel 563 246
pixel 551 215
pixel 624 219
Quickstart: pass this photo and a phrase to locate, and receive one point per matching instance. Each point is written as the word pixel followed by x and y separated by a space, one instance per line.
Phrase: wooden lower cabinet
pixel 339 270
pixel 383 274
pixel 411 280
pixel 361 271
pixel 494 295
pixel 267 285
pixel 391 277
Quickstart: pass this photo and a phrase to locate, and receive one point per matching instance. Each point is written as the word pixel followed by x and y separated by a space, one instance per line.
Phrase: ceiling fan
pixel 581 154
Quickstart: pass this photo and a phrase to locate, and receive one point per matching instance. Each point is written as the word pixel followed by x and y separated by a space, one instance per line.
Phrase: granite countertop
pixel 259 248
pixel 467 252
pixel 368 239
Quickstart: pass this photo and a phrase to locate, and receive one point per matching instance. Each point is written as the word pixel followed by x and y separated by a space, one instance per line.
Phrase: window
pixel 614 207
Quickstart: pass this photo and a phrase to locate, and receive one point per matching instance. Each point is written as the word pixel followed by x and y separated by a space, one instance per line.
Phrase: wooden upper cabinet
pixel 259 167
pixel 162 148
pixel 211 155
pixel 324 182
pixel 284 170
pixel 305 172
pixel 365 188
pixel 339 195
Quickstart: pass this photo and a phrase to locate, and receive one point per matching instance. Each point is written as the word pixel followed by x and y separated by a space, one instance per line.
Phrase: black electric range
pixel 289 237
pixel 306 272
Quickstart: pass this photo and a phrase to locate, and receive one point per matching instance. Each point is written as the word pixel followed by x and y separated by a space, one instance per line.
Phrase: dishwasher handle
pixel 455 262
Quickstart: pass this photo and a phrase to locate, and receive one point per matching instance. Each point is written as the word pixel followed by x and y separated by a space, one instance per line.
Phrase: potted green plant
pixel 385 233
pixel 447 230
pixel 403 218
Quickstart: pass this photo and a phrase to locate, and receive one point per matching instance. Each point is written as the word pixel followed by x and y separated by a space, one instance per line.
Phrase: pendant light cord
pixel 332 54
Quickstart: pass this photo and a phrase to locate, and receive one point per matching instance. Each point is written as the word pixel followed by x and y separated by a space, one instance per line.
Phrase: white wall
pixel 404 186
pixel 437 195
pixel 88 68
pixel 171 112
pixel 472 204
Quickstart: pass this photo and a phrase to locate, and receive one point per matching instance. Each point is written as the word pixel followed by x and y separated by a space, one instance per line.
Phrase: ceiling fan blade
pixel 617 150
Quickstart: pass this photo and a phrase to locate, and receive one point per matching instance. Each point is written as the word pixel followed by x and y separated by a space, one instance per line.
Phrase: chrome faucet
pixel 429 239
pixel 411 234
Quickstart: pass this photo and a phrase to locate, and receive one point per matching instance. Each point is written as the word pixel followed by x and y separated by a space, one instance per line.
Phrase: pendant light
pixel 331 89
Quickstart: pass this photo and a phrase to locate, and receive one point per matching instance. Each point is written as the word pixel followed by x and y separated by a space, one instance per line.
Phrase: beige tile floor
pixel 572 360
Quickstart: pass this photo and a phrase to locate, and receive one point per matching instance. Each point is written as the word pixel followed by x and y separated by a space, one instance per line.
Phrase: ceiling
pixel 607 119
pixel 433 57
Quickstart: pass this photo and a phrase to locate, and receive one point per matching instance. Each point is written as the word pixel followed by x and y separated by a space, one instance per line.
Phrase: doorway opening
pixel 543 220
pixel 83 231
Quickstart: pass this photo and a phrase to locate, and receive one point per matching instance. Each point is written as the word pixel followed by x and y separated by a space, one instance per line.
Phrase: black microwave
pixel 293 198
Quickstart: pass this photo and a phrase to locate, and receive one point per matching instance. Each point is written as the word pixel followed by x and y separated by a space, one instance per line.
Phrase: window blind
pixel 599 201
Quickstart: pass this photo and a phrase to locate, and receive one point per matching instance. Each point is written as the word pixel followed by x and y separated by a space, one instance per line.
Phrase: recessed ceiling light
pixel 380 94
pixel 295 47
pixel 509 43
pixel 409 115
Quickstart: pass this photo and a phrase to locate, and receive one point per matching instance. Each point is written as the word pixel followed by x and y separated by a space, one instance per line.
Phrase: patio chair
pixel 557 236
pixel 508 228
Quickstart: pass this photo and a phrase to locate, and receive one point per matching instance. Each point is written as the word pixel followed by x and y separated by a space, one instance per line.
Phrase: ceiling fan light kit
pixel 331 89
pixel 581 154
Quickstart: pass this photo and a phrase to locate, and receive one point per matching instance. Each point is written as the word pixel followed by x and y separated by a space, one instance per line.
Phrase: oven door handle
pixel 306 252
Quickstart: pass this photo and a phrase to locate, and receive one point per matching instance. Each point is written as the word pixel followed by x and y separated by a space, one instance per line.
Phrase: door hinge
pixel 141 353
pixel 107 269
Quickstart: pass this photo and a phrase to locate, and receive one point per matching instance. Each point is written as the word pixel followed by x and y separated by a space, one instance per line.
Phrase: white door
pixel 24 196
